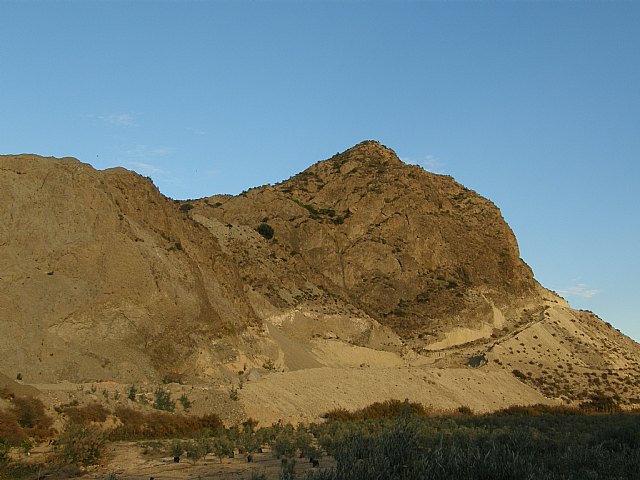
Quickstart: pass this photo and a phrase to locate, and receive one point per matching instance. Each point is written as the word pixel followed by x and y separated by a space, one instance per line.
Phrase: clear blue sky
pixel 534 105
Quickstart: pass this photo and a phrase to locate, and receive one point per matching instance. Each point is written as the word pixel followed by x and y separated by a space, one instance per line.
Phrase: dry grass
pixel 25 418
pixel 93 412
pixel 138 425
pixel 10 430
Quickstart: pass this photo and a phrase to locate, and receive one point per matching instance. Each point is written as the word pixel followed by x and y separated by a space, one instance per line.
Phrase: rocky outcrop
pixel 414 250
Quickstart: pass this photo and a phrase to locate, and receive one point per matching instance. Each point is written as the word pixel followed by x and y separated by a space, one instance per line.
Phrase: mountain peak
pixel 370 152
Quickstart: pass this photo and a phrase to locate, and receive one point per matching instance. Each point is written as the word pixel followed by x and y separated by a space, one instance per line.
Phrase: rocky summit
pixel 360 274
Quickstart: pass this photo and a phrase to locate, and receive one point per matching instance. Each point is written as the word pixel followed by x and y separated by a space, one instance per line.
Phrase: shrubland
pixel 391 440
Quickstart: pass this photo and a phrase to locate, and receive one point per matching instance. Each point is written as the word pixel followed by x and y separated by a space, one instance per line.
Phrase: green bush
pixel 184 400
pixel 163 400
pixel 198 449
pixel 265 230
pixel 132 392
pixel 283 446
pixel 386 409
pixel 4 452
pixel 538 442
pixel 222 447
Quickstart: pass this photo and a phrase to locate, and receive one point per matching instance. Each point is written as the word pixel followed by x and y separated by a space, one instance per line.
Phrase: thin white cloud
pixel 430 163
pixel 580 290
pixel 198 131
pixel 120 119
pixel 143 151
pixel 143 159
pixel 145 168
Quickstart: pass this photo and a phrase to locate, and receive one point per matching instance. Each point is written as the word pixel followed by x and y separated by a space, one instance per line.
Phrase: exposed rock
pixel 103 277
pixel 353 269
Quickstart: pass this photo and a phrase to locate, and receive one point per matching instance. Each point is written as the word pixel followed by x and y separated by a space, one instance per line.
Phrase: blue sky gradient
pixel 535 105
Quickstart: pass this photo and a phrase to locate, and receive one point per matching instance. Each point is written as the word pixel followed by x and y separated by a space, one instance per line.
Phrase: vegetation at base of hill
pixel 539 441
pixel 391 440
pixel 136 425
pixel 26 418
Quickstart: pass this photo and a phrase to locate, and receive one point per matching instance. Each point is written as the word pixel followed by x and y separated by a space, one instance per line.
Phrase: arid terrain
pixel 361 279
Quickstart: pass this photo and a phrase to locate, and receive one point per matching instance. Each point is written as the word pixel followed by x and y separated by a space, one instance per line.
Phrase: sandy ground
pixel 135 461
pixel 306 394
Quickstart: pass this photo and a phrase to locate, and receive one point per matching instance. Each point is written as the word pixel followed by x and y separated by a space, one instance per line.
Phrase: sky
pixel 535 105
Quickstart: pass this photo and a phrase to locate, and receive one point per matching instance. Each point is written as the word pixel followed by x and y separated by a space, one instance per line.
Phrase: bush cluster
pixel 386 409
pixel 25 418
pixel 81 445
pixel 138 425
pixel 537 442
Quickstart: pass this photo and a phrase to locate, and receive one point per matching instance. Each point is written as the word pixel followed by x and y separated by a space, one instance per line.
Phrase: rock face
pixel 360 262
pixel 103 277
pixel 416 251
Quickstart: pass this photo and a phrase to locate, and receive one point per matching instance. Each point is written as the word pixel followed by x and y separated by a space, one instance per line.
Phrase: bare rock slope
pixel 103 277
pixel 359 268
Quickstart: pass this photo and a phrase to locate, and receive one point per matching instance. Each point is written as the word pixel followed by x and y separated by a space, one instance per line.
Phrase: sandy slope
pixel 304 395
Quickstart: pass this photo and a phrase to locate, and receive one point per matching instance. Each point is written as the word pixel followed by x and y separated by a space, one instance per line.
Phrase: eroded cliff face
pixel 103 277
pixel 416 251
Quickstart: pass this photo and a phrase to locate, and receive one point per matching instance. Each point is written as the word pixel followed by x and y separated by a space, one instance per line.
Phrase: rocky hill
pixel 416 251
pixel 359 268
pixel 103 277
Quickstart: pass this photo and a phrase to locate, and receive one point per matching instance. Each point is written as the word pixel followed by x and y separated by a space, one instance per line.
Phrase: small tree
pixel 177 448
pixel 184 400
pixel 131 393
pixel 198 449
pixel 302 441
pixel 163 400
pixel 222 447
pixel 283 445
pixel 248 442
